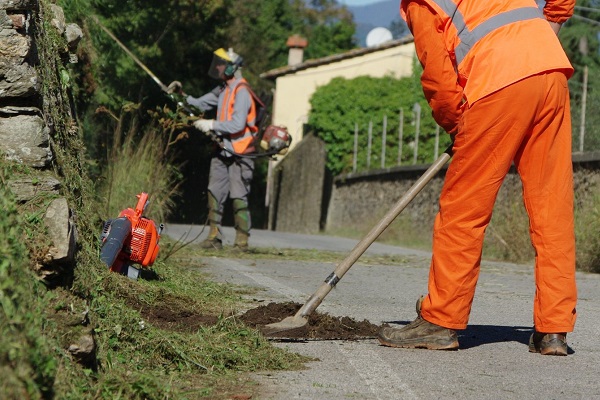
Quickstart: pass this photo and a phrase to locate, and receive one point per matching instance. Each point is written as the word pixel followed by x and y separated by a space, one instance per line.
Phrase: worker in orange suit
pixel 495 76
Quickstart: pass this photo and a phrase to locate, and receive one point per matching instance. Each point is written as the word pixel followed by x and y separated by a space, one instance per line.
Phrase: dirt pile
pixel 320 326
pixel 177 317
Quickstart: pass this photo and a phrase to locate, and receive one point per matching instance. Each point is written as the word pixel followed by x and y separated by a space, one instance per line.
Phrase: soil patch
pixel 177 320
pixel 171 317
pixel 320 326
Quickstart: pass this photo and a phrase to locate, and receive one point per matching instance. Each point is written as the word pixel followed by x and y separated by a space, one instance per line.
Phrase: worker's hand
pixel 204 125
pixel 175 87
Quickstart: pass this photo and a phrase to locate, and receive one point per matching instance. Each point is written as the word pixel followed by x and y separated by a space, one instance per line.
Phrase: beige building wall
pixel 294 90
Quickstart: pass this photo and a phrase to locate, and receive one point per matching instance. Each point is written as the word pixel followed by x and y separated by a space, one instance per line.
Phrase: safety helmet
pixel 225 64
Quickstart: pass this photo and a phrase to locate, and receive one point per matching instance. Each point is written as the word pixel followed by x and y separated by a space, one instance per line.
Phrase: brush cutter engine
pixel 276 140
pixel 130 239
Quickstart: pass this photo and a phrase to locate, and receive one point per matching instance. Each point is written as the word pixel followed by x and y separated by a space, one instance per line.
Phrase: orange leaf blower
pixel 130 239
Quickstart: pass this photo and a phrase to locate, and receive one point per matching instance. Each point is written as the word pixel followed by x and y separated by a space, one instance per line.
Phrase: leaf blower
pixel 130 239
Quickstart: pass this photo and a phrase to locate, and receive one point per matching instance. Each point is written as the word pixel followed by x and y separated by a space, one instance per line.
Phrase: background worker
pixel 495 76
pixel 234 127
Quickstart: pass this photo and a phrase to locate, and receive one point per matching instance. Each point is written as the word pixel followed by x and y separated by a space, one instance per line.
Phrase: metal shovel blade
pixel 300 320
pixel 288 325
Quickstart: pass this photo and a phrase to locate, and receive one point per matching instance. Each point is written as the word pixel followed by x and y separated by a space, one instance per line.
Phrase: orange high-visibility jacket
pixel 495 43
pixel 241 141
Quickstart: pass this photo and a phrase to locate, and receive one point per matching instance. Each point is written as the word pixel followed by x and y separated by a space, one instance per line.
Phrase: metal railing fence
pixel 411 143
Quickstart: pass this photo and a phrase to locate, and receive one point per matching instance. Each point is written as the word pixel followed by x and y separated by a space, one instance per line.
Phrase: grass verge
pixel 172 335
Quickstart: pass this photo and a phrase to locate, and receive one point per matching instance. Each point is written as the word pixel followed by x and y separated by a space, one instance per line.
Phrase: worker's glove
pixel 204 125
pixel 175 87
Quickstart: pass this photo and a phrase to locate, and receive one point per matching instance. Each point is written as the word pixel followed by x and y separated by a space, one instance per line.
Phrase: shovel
pixel 300 320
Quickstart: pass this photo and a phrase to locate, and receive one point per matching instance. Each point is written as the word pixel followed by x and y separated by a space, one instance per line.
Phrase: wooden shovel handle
pixel 358 250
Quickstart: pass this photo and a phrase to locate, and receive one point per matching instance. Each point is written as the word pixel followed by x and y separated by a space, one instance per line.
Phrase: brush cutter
pixel 130 239
pixel 300 320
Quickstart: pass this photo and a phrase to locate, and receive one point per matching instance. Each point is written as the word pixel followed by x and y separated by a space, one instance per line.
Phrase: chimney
pixel 296 43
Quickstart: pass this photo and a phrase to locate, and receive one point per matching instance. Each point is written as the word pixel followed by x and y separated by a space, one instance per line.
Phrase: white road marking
pixel 377 374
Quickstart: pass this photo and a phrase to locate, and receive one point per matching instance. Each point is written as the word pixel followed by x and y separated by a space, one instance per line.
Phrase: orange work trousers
pixel 527 123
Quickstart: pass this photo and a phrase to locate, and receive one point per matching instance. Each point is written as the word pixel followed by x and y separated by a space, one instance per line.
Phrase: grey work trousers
pixel 230 176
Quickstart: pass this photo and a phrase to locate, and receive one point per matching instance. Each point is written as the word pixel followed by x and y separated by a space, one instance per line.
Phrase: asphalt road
pixel 493 362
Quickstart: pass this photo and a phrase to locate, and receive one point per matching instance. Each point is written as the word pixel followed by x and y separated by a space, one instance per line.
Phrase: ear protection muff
pixel 232 67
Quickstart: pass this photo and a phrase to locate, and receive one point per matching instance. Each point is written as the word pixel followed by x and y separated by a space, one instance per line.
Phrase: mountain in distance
pixel 380 14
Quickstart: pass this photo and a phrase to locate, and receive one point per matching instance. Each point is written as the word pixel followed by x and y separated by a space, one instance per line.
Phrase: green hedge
pixel 339 105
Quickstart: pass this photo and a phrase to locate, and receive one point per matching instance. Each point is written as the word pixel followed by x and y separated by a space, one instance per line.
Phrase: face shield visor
pixel 218 64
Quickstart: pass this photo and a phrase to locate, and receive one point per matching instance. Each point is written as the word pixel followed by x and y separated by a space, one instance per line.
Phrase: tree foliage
pixel 328 27
pixel 259 32
pixel 171 37
pixel 175 39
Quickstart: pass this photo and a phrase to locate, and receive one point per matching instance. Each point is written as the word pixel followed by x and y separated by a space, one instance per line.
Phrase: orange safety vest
pixel 496 43
pixel 243 140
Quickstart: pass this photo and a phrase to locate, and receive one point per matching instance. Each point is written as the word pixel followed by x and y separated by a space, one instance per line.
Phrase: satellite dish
pixel 378 36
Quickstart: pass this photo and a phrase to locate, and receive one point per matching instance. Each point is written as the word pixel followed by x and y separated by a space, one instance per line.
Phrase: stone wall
pixel 307 200
pixel 367 196
pixel 25 137
pixel 361 199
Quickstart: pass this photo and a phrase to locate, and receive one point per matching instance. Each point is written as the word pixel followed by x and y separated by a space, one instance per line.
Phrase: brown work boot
pixel 419 334
pixel 241 241
pixel 211 243
pixel 418 305
pixel 213 240
pixel 240 248
pixel 550 344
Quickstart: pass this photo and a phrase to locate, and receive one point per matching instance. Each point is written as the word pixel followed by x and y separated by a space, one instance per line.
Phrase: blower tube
pixel 119 230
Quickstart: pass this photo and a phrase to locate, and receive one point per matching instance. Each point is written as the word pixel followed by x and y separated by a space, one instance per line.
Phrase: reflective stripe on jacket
pixel 241 141
pixel 496 43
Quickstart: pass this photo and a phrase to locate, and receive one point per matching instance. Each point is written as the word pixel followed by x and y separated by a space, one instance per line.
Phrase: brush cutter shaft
pixel 130 54
pixel 316 299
